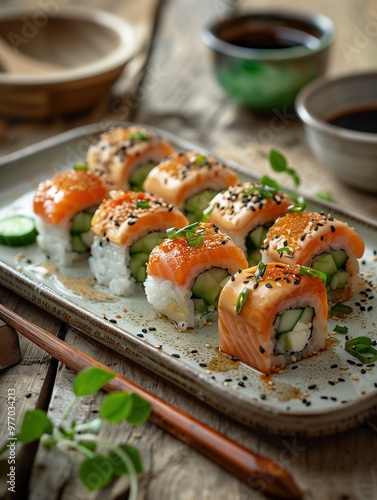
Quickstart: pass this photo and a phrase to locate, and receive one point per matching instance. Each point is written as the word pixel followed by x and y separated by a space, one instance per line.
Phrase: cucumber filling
pixel 254 241
pixel 293 330
pixel 81 235
pixel 333 264
pixel 206 289
pixel 139 174
pixel 139 254
pixel 195 205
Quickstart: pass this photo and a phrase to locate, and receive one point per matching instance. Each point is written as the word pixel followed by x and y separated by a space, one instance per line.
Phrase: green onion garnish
pixel 340 310
pixel 207 212
pixel 297 208
pixel 241 299
pixel 138 136
pixel 142 204
pixel 286 250
pixel 193 238
pixel 199 160
pixel 314 273
pixel 171 233
pixel 359 347
pixel 340 329
pixel 260 271
pixel 81 167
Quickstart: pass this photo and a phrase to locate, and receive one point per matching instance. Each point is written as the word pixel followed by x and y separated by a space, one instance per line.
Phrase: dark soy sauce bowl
pixel 263 59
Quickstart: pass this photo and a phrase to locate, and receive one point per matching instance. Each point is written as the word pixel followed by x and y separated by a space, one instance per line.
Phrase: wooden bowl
pixel 90 47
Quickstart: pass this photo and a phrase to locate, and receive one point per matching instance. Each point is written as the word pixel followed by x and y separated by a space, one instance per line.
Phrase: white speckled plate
pixel 322 395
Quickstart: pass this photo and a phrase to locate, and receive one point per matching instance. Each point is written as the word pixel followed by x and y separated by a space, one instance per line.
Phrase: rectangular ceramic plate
pixel 324 394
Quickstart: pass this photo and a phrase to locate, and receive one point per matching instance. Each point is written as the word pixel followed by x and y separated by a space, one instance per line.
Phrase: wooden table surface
pixel 177 93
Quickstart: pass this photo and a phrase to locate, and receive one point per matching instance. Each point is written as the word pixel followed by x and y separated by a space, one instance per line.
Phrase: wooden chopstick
pixel 257 471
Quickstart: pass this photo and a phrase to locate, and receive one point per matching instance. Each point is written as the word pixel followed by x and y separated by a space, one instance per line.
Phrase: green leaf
pixel 96 473
pixel 277 161
pixel 89 445
pixel 267 181
pixel 115 407
pixel 34 425
pixel 90 381
pixel 140 409
pixel 324 195
pixel 118 464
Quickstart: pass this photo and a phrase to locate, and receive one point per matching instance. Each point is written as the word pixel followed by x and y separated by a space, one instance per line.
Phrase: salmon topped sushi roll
pixel 272 315
pixel 319 241
pixel 245 212
pixel 187 272
pixel 189 180
pixel 127 226
pixel 126 155
pixel 64 206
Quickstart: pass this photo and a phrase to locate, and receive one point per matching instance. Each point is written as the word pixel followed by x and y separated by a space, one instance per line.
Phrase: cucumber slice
pixel 292 341
pixel 138 266
pixel 339 280
pixel 195 205
pixel 81 222
pixel 139 174
pixel 208 285
pixel 287 320
pixel 307 316
pixel 257 236
pixel 326 264
pixel 87 238
pixel 17 231
pixel 147 243
pixel 200 306
pixel 340 258
pixel 254 257
pixel 77 244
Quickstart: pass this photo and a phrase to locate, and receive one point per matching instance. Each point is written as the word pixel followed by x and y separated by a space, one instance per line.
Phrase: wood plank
pixel 27 377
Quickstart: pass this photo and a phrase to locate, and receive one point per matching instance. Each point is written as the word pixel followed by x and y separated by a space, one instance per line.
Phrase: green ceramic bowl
pixel 263 59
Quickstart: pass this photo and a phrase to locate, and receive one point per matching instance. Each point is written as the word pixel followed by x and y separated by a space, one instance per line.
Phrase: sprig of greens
pixel 279 163
pixel 102 460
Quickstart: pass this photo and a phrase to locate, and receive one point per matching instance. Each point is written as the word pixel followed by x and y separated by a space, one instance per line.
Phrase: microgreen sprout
pixel 81 167
pixel 138 136
pixel 98 454
pixel 279 163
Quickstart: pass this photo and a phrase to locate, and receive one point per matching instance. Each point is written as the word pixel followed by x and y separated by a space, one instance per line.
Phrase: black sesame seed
pixel 313 386
pixel 294 367
pixel 28 261
pixel 113 321
pixel 324 397
pixel 340 379
pixel 331 382
pixel 255 285
pixel 152 329
pixel 232 278
pixel 228 380
pixel 140 335
pixel 268 285
pixel 116 223
pixel 175 355
pixel 350 362
pixel 333 398
pixel 261 349
pixel 131 222
pixel 246 282
pixel 194 351
pixel 363 371
pixel 203 365
pixel 263 396
pixel 244 377
pixel 332 229
pixel 233 358
pixel 302 237
pixel 371 365
pixel 334 366
pixel 375 384
pixel 241 384
pixel 144 330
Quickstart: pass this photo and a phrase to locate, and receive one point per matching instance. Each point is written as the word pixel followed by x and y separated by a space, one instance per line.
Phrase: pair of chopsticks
pixel 248 466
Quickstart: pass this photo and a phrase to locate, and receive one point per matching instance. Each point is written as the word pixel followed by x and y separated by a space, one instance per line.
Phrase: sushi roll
pixel 126 155
pixel 319 241
pixel 189 180
pixel 64 207
pixel 127 226
pixel 273 315
pixel 245 212
pixel 187 272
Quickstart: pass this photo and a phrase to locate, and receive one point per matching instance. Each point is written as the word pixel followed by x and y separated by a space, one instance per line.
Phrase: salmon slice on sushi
pixel 187 272
pixel 245 212
pixel 319 241
pixel 189 180
pixel 127 226
pixel 126 155
pixel 273 315
pixel 64 207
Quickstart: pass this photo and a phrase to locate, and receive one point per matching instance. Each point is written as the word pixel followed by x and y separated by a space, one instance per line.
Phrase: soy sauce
pixel 268 37
pixel 361 120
